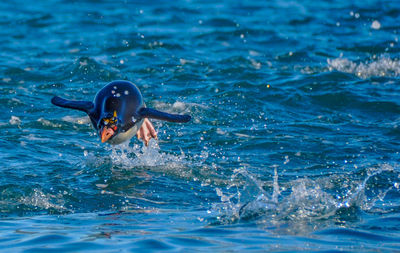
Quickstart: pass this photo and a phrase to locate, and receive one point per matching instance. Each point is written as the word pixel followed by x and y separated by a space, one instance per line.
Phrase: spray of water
pixel 305 205
pixel 132 157
pixel 137 155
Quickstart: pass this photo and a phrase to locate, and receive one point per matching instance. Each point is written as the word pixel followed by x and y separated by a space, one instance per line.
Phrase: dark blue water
pixel 294 142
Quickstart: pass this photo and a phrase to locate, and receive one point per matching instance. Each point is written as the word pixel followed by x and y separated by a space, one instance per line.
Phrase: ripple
pixel 356 234
pixel 88 69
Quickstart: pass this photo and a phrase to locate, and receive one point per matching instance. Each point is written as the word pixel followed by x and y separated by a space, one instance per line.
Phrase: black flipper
pixel 85 106
pixel 154 114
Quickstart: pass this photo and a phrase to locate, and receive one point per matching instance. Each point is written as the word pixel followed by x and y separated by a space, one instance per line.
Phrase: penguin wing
pixel 85 106
pixel 154 114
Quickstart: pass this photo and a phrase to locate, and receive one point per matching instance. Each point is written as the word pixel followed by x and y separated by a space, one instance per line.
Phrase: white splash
pixel 140 155
pixel 306 203
pixel 48 123
pixel 384 67
pixel 76 120
pixel 40 200
pixel 178 107
pixel 15 120
pixel 137 157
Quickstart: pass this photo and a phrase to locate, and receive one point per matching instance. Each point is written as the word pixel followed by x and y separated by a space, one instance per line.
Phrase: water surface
pixel 294 142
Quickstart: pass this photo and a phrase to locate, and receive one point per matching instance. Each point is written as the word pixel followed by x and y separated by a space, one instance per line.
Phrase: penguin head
pixel 108 127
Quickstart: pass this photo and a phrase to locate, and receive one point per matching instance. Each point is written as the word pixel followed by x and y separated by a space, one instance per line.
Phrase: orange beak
pixel 106 134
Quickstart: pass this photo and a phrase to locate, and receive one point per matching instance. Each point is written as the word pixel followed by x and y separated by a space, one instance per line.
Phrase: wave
pixel 381 67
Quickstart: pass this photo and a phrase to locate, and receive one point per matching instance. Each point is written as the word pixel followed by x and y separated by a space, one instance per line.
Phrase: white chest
pixel 124 136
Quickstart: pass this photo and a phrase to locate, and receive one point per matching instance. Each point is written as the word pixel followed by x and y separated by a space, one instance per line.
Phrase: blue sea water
pixel 293 144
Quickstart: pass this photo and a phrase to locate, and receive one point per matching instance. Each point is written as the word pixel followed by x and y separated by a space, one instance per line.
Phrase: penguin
pixel 118 111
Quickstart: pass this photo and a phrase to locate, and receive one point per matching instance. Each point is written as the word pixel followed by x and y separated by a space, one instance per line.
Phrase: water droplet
pixel 118 95
pixel 287 160
pixel 126 92
pixel 376 25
